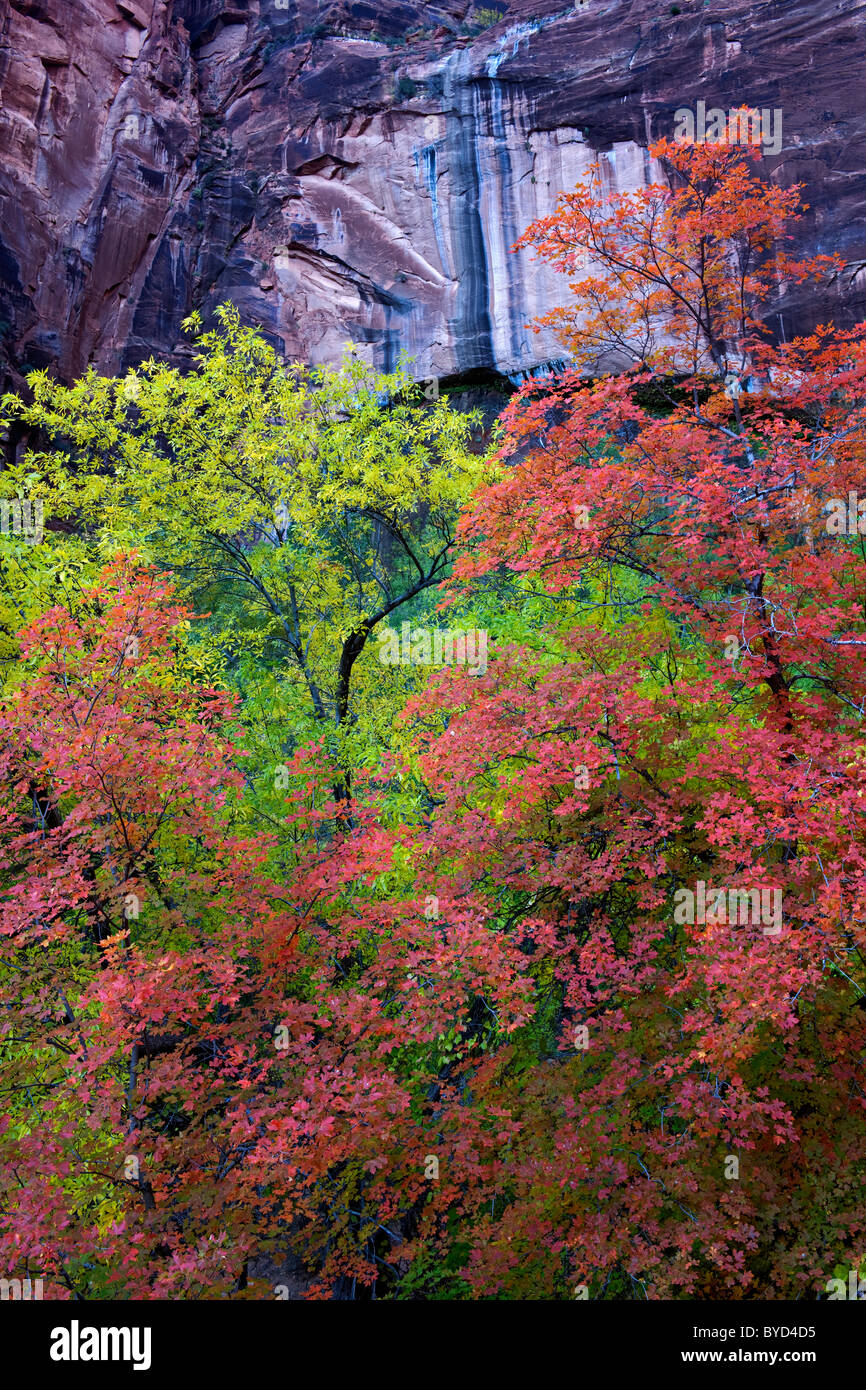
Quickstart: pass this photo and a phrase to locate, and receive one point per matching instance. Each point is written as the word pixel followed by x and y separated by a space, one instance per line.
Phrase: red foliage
pixel 197 1087
pixel 582 1054
pixel 716 713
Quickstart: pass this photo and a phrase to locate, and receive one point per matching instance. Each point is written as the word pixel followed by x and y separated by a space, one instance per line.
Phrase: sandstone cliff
pixel 358 170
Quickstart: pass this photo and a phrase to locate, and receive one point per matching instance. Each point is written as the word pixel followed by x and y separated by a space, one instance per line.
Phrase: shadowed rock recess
pixel 360 170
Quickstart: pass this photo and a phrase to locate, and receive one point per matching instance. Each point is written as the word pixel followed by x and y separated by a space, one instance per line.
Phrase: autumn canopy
pixel 540 980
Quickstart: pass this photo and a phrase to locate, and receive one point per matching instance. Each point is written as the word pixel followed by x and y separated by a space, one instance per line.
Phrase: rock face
pixel 358 170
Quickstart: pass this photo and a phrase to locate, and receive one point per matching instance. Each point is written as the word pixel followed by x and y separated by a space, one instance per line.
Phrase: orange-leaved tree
pixel 661 784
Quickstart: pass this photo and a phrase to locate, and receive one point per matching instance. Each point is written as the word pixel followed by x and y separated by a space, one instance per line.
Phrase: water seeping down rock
pixel 360 170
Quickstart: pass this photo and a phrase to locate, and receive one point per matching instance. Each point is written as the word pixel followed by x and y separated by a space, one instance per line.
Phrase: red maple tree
pixel 663 789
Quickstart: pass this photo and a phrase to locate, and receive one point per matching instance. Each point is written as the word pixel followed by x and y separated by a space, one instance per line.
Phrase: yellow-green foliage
pixel 301 508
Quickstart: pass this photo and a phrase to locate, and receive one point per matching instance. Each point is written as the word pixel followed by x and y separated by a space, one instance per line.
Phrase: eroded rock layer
pixel 360 170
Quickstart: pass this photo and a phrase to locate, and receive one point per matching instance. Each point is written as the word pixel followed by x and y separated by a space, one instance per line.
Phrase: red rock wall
pixel 358 170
